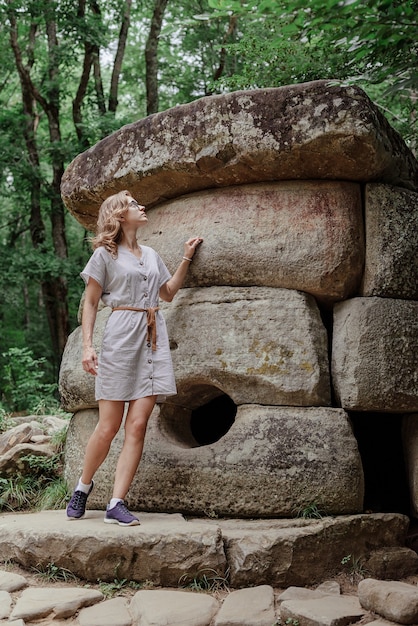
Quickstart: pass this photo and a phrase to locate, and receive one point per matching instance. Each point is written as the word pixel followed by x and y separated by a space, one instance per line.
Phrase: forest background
pixel 73 71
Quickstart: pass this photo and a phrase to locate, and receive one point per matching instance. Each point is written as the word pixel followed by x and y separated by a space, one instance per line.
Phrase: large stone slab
pixel 375 354
pixel 161 550
pixel 273 461
pixel 256 344
pixel 285 552
pixel 294 234
pixel 316 130
pixel 303 552
pixel 391 265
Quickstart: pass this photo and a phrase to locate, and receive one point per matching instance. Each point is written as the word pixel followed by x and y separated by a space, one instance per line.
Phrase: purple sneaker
pixel 120 515
pixel 77 505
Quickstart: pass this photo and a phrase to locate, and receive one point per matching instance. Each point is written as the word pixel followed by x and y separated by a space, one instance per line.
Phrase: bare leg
pixel 135 427
pixel 110 419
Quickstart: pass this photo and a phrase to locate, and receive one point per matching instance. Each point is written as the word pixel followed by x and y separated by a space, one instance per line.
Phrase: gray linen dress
pixel 128 367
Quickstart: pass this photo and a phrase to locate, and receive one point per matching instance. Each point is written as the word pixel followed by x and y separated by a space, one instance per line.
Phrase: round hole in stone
pixel 202 414
pixel 211 421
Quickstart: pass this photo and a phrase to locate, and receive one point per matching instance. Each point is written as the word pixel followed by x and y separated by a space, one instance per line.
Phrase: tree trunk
pixel 151 56
pixel 54 289
pixel 117 65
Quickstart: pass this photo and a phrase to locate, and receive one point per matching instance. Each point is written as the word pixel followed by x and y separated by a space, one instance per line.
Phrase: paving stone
pixel 5 604
pixel 326 611
pixel 17 622
pixel 11 582
pixel 176 608
pixel 112 612
pixel 248 607
pixel 301 593
pixel 330 587
pixel 36 603
pixel 396 601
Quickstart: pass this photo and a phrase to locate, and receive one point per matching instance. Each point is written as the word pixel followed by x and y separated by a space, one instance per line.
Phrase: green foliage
pixel 33 492
pixel 6 422
pixel 53 573
pixel 54 495
pixel 41 486
pixel 354 567
pixel 372 44
pixel 21 378
pixel 18 493
pixel 119 587
pixel 310 511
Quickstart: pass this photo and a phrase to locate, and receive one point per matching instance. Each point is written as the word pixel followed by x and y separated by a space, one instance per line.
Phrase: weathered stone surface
pixel 248 607
pixel 76 387
pixel 256 551
pixel 293 234
pixel 11 582
pixel 391 563
pixel 375 354
pixel 160 550
pixel 112 612
pixel 328 611
pixel 256 344
pixel 19 434
pixel 177 608
pixel 396 601
pixel 300 593
pixel 303 552
pixel 36 603
pixel 273 461
pixel 391 264
pixel 410 445
pixel 314 130
pixel 14 460
pixel 329 587
pixel 5 604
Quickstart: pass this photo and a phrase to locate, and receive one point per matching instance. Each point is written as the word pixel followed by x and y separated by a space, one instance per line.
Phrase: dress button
pixel 141 262
pixel 150 376
pixel 148 344
pixel 145 277
pixel 149 360
pixel 146 294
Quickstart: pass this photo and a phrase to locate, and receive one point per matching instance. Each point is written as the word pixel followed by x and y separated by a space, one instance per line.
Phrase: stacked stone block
pixel 307 202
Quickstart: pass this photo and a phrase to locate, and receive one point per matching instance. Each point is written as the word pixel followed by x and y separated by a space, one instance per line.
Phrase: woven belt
pixel 151 321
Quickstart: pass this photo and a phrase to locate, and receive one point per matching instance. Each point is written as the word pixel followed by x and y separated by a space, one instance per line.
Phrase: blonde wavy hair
pixel 108 230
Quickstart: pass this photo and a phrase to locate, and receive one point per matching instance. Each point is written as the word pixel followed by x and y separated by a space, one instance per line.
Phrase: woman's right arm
pixel 91 302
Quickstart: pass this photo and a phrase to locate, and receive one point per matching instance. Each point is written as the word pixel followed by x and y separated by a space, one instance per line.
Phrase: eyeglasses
pixel 136 204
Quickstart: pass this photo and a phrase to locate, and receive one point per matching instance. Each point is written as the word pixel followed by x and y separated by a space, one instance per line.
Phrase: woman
pixel 134 364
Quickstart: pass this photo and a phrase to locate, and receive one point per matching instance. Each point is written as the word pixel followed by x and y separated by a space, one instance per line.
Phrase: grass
pixel 310 511
pixel 120 587
pixel 354 567
pixel 207 580
pixel 53 573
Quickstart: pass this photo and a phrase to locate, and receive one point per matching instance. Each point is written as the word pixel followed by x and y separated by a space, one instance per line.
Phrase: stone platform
pixel 167 549
pixel 252 560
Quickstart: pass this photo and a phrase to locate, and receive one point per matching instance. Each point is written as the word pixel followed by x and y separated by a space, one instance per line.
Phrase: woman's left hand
pixel 191 245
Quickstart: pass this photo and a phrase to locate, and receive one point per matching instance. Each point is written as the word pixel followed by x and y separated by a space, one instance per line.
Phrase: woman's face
pixel 135 214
